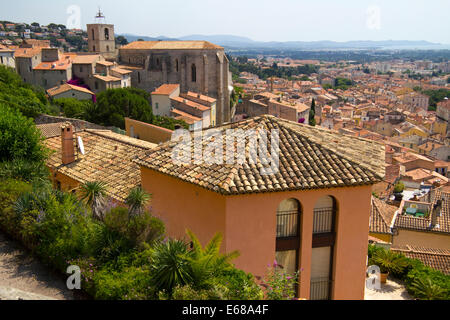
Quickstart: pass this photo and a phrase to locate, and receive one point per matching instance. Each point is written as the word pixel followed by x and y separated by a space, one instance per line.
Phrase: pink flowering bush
pixel 279 284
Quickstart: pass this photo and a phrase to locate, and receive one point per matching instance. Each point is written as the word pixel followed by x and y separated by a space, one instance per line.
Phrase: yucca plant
pixel 94 194
pixel 169 266
pixel 137 200
pixel 425 289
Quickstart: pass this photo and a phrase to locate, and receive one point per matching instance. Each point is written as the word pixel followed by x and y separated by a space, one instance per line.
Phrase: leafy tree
pixel 19 137
pixel 73 108
pixel 18 95
pixel 121 40
pixel 94 194
pixel 436 96
pixel 114 105
pixel 312 114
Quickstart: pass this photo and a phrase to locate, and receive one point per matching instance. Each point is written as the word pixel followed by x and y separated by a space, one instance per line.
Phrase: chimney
pixel 435 213
pixel 67 147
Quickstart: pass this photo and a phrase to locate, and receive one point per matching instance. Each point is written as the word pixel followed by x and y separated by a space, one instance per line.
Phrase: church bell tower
pixel 101 37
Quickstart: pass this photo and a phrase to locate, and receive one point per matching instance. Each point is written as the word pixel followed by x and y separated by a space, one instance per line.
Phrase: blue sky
pixel 262 20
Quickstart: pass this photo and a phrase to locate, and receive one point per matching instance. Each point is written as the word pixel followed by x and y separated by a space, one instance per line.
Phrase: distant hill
pixel 238 42
pixel 132 37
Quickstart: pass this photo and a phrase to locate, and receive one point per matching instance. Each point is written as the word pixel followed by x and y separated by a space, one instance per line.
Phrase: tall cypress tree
pixel 312 114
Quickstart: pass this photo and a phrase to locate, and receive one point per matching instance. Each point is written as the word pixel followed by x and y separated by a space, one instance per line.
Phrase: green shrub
pixel 73 108
pixel 279 284
pixel 10 190
pixel 131 283
pixel 399 187
pixel 389 261
pixel 24 170
pixel 20 96
pixel 186 292
pixel 426 289
pixel 239 285
pixel 19 137
pixel 139 229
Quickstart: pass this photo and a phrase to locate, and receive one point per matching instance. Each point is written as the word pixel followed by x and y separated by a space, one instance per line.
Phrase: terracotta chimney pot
pixel 67 147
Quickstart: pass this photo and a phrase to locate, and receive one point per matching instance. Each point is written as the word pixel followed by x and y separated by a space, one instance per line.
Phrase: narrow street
pixel 24 277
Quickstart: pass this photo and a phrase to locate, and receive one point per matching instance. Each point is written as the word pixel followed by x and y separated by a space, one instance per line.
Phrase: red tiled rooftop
pixel 166 89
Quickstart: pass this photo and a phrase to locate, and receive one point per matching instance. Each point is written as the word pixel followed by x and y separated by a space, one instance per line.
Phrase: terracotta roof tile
pixel 381 216
pixel 107 78
pixel 166 89
pixel 66 87
pixel 309 158
pixel 108 158
pixel 50 130
pixel 86 59
pixel 438 259
pixel 424 224
pixel 170 45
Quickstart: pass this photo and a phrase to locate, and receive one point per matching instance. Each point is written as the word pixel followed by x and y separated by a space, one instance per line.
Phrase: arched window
pixel 93 34
pixel 176 65
pixel 139 77
pixel 288 215
pixel 107 48
pixel 93 49
pixel 322 256
pixel 288 235
pixel 194 73
pixel 106 34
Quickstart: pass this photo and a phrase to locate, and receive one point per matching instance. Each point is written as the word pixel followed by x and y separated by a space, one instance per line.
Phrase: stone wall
pixel 176 66
pixel 77 123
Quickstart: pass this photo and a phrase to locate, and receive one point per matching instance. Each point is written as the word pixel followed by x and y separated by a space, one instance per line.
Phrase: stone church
pixel 198 66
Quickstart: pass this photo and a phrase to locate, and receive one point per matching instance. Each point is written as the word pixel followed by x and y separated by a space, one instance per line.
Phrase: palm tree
pixel 427 290
pixel 389 261
pixel 94 194
pixel 208 262
pixel 136 201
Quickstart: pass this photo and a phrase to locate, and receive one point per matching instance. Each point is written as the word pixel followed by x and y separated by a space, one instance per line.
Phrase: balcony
pixel 287 224
pixel 323 220
pixel 320 289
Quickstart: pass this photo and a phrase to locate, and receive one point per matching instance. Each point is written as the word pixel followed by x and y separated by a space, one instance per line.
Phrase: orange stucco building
pixel 311 215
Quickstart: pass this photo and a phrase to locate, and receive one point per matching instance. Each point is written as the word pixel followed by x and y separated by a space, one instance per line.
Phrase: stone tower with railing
pixel 101 37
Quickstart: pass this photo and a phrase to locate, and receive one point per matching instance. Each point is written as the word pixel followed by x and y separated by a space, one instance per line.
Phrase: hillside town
pixel 363 159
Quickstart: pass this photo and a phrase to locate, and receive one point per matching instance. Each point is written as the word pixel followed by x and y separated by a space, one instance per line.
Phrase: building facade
pixel 198 66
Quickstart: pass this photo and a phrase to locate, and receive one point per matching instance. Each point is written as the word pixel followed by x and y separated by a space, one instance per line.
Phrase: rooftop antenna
pixel 100 18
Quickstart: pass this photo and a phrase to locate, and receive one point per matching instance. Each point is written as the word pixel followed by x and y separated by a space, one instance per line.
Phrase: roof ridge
pixel 328 149
pixel 436 251
pixel 97 132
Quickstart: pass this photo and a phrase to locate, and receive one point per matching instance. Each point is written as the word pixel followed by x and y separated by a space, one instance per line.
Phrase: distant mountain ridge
pixel 238 42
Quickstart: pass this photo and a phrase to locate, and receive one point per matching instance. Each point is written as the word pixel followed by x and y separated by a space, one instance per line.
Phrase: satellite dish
pixel 80 145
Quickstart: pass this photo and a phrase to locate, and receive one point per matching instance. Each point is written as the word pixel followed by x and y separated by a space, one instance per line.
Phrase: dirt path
pixel 24 277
